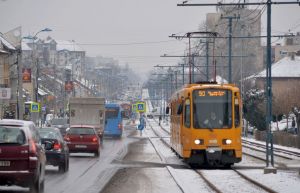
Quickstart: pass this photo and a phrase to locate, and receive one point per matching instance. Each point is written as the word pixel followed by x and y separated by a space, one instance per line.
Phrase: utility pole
pixel 183 66
pixel 269 140
pixel 230 18
pixel 20 103
pixel 189 35
pixel 207 60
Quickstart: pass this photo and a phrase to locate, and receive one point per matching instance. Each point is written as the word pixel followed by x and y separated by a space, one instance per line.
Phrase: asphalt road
pixel 87 173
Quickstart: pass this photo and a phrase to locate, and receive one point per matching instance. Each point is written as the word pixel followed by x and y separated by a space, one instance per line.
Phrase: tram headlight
pixel 227 141
pixel 197 141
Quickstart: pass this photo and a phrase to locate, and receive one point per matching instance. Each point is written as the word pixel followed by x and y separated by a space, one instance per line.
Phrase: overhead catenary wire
pixel 123 44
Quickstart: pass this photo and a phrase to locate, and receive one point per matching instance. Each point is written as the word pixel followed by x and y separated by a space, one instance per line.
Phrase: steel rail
pixel 211 185
pixel 163 159
pixel 267 189
pixel 279 150
pixel 280 164
pixel 263 151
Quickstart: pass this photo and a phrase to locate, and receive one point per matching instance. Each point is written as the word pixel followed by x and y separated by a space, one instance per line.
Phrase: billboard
pixel 26 75
pixel 69 86
pixel 5 93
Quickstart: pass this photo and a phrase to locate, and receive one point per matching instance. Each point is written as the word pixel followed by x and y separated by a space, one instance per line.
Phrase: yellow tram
pixel 206 124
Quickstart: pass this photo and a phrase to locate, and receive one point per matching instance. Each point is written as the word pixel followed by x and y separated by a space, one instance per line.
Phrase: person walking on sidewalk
pixel 142 124
pixel 159 120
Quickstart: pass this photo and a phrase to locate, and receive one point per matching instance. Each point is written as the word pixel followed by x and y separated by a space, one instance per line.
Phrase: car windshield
pixel 81 131
pixel 48 134
pixel 9 135
pixel 59 121
pixel 212 108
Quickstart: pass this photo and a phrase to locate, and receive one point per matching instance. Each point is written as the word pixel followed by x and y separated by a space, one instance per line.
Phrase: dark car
pixel 22 158
pixel 61 124
pixel 57 151
pixel 83 138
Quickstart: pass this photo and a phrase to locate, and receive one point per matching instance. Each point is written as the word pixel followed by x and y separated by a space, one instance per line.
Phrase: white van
pixel 48 120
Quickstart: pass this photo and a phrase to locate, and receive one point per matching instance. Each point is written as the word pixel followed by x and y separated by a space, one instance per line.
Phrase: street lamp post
pixel 36 85
pixel 33 38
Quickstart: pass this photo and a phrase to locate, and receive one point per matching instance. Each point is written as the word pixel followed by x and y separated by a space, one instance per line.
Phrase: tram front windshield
pixel 212 108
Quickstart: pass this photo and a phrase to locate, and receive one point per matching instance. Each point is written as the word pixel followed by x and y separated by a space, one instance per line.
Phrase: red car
pixel 22 158
pixel 83 138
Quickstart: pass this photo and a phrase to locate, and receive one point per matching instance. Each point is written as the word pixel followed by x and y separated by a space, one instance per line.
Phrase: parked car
pixel 61 124
pixel 83 138
pixel 22 158
pixel 57 151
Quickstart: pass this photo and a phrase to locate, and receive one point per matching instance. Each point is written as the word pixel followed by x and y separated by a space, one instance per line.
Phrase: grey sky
pixel 120 22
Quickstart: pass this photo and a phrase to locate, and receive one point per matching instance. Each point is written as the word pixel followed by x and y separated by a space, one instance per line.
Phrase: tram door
pixel 186 128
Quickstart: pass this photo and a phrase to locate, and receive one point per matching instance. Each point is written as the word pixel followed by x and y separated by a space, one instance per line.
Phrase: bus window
pixel 187 113
pixel 111 113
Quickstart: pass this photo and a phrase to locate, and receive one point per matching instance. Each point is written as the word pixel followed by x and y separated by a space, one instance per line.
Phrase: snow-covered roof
pixel 48 41
pixel 68 45
pixel 286 67
pixel 25 46
pixel 3 51
pixel 7 44
pixel 42 92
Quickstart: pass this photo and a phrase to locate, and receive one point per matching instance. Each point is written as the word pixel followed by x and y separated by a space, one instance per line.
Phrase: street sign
pixel 140 107
pixel 35 107
pixel 5 93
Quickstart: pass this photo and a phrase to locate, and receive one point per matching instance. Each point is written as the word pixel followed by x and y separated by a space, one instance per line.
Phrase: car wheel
pixel 67 167
pixel 37 187
pixel 62 167
pixel 97 153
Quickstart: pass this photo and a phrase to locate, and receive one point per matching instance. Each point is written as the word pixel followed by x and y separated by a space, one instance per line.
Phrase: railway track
pixel 280 152
pixel 211 184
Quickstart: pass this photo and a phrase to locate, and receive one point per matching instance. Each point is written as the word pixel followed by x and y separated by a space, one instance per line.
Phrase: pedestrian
pixel 141 126
pixel 294 125
pixel 159 120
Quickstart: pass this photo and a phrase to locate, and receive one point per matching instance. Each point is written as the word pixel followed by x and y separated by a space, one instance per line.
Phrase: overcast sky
pixel 113 26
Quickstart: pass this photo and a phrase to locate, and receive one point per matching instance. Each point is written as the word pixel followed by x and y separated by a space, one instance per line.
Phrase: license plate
pixel 4 163
pixel 213 141
pixel 213 149
pixel 80 146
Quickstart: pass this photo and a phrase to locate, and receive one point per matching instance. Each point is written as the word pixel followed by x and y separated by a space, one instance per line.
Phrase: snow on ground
pixel 283 181
pixel 275 145
pixel 229 181
pixel 189 180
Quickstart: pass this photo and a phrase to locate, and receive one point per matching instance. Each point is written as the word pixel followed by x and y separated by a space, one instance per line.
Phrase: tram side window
pixel 187 113
pixel 236 112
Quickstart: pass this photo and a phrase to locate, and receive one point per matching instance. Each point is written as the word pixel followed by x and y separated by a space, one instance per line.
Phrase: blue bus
pixel 113 120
